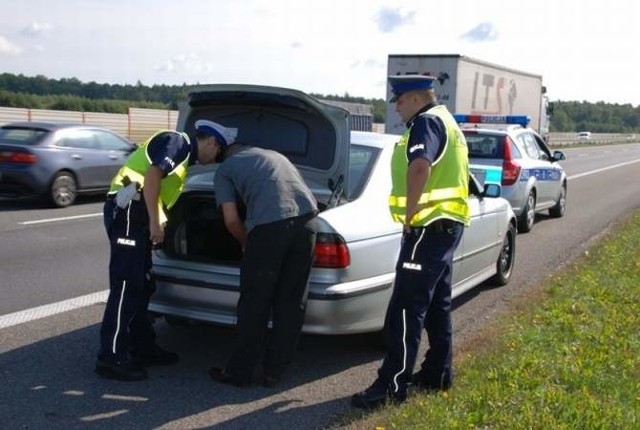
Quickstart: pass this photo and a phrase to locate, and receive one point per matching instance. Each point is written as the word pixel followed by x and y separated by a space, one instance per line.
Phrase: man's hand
pixel 156 234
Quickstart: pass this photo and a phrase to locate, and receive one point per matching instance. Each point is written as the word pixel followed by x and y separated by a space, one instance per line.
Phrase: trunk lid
pixel 313 135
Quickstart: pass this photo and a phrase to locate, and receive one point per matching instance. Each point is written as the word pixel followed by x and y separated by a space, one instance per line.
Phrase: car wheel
pixel 63 190
pixel 557 211
pixel 506 259
pixel 528 216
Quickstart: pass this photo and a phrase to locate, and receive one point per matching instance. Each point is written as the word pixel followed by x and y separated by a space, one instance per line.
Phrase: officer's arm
pixel 417 176
pixel 151 193
pixel 233 222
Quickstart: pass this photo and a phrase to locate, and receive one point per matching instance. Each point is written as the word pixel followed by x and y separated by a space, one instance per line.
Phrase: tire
pixel 63 190
pixel 557 211
pixel 506 259
pixel 528 216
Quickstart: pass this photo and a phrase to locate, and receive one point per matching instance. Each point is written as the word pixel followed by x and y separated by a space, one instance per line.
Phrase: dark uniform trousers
pixel 273 283
pixel 125 326
pixel 421 298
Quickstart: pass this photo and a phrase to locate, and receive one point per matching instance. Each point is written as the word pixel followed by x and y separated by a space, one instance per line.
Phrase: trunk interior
pixel 195 231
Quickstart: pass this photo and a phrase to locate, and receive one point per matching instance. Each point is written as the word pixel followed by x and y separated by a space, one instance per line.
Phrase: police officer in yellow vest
pixel 430 177
pixel 150 181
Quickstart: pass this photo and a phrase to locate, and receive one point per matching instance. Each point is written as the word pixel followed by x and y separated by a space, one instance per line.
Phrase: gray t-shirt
pixel 266 181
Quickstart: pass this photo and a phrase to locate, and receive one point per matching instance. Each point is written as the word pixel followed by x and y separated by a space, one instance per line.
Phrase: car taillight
pixel 18 157
pixel 331 251
pixel 510 169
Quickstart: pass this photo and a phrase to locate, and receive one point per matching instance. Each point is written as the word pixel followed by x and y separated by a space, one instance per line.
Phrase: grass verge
pixel 567 359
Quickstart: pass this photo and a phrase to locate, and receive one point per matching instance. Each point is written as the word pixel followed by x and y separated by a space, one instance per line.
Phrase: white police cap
pixel 224 135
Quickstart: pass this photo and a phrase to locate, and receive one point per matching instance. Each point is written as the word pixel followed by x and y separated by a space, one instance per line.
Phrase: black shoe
pixel 377 395
pixel 154 357
pixel 427 385
pixel 218 374
pixel 122 371
pixel 270 381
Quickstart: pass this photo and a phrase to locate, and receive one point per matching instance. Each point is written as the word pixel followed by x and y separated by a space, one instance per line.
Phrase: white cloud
pixel 390 19
pixel 191 64
pixel 483 32
pixel 8 48
pixel 36 29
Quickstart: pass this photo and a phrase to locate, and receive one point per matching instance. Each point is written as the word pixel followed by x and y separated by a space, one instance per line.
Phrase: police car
pixel 503 150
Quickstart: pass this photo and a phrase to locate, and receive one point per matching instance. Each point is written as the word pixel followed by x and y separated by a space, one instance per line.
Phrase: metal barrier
pixel 136 125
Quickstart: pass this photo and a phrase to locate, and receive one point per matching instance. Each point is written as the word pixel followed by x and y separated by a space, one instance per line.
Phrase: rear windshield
pixel 484 146
pixel 361 162
pixel 21 135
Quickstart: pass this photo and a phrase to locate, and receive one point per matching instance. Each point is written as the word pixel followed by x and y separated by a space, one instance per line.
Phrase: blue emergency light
pixel 522 120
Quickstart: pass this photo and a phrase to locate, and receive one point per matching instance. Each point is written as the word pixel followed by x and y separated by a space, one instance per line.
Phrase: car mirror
pixel 492 190
pixel 558 155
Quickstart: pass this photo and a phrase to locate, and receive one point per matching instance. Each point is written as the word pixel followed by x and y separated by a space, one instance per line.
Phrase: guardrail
pixel 560 139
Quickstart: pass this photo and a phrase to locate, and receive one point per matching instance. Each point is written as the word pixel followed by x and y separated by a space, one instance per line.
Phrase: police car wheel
pixel 63 190
pixel 528 216
pixel 557 211
pixel 506 258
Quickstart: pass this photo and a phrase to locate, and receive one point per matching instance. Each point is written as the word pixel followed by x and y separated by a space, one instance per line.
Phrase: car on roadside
pixel 584 135
pixel 58 161
pixel 197 271
pixel 503 150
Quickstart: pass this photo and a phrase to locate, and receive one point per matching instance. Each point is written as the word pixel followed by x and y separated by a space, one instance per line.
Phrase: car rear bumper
pixel 332 309
pixel 15 182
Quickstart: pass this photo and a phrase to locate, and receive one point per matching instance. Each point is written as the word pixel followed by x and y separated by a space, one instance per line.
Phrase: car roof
pixel 46 125
pixel 373 139
pixel 497 129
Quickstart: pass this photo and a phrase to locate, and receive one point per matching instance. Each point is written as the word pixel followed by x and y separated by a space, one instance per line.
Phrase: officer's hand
pixel 156 234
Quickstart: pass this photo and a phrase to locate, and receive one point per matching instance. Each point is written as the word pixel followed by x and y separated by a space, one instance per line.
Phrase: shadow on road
pixel 51 384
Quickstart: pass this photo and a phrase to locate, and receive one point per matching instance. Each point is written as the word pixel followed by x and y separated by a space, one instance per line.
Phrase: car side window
pixel 78 139
pixel 111 142
pixel 530 145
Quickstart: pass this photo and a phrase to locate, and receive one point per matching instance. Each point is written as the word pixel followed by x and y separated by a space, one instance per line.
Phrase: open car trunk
pixel 195 231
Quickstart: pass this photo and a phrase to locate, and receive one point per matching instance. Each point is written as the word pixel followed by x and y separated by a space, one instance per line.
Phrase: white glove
pixel 126 194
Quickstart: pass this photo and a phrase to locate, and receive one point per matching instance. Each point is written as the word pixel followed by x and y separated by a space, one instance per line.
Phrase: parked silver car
pixel 197 271
pixel 58 161
pixel 517 157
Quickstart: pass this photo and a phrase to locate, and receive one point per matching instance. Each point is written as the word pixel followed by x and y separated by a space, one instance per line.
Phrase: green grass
pixel 568 358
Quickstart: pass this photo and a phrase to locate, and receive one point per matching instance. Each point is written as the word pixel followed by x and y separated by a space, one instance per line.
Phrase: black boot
pixel 120 371
pixel 378 394
pixel 154 356
pixel 429 383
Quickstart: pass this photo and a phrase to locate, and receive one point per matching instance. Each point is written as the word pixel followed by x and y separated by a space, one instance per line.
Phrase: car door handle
pixel 76 156
pixel 113 157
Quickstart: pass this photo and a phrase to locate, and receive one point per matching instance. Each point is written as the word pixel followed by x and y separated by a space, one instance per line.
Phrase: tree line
pixel 40 92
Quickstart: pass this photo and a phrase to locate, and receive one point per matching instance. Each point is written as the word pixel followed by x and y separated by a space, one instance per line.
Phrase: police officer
pixel 429 197
pixel 151 179
pixel 278 238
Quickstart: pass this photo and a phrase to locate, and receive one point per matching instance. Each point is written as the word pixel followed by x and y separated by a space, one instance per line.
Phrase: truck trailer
pixel 470 86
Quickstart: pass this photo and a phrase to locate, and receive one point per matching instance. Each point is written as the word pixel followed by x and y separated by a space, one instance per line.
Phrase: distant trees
pixel 40 92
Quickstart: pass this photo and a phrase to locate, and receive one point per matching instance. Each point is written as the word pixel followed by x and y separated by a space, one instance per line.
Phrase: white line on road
pixel 52 309
pixel 66 218
pixel 580 175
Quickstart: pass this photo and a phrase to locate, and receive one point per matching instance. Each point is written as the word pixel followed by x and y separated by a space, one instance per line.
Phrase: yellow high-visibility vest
pixel 446 193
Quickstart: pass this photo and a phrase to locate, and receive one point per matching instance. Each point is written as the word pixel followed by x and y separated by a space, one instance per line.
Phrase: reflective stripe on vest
pixel 137 165
pixel 446 192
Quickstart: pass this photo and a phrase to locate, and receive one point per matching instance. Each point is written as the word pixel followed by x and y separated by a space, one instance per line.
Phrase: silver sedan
pixel 197 272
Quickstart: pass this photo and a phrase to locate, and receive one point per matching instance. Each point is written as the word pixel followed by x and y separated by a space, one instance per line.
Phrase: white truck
pixel 470 86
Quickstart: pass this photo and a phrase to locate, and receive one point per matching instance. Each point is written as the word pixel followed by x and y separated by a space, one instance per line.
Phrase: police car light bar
pixel 522 120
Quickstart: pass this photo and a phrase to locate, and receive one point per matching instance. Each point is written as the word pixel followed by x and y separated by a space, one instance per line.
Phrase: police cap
pixel 401 84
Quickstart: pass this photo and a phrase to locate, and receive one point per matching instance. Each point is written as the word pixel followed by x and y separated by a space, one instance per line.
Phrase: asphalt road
pixel 46 364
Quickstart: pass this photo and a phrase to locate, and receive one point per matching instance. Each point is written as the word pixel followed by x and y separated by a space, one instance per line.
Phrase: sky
pixel 585 50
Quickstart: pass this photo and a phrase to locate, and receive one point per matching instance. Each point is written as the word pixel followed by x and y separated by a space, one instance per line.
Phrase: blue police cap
pixel 401 84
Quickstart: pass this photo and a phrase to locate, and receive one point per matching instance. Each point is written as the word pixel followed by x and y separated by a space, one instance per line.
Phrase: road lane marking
pixel 44 311
pixel 66 218
pixel 591 172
